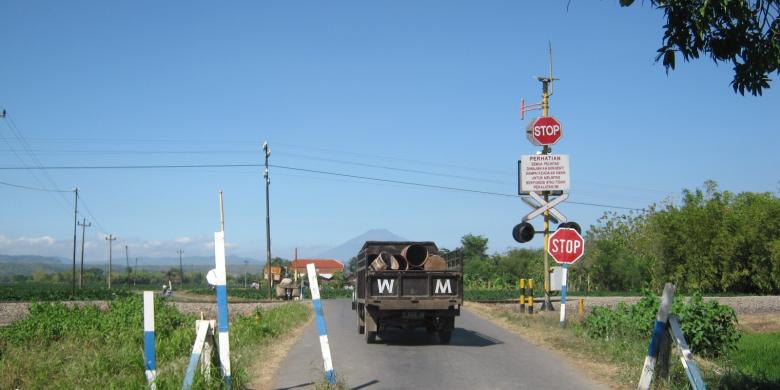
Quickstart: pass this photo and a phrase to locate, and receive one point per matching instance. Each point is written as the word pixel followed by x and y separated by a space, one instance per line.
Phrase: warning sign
pixel 544 172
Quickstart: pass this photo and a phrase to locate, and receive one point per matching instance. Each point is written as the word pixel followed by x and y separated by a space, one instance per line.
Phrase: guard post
pixel 530 303
pixel 522 295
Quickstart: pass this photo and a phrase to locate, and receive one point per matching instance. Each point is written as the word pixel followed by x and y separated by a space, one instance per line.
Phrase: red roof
pixel 321 264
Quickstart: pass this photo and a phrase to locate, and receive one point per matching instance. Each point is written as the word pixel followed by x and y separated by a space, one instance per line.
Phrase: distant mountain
pixel 27 264
pixel 31 259
pixel 350 248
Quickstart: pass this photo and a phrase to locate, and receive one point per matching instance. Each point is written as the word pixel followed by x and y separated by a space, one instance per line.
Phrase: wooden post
pixel 691 369
pixel 659 329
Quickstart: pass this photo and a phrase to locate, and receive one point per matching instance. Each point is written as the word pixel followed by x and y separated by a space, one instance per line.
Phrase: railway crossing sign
pixel 540 205
pixel 566 246
pixel 543 131
pixel 544 172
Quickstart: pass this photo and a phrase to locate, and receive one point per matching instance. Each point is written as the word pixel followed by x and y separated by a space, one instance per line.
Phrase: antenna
pixel 547 90
pixel 549 58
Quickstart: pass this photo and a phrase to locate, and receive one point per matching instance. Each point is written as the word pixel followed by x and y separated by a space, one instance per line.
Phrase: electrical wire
pixel 33 188
pixel 190 166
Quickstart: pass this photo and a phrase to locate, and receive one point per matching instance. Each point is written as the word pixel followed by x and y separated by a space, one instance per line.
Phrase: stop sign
pixel 566 246
pixel 545 130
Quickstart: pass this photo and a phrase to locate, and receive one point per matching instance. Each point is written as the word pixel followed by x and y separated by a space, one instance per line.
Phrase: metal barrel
pixel 415 255
pixel 398 262
pixel 435 263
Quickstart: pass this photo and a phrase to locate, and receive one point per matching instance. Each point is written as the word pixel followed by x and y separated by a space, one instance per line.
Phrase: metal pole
pixel 546 304
pixel 110 240
pixel 267 151
pixel 135 271
pixel 181 268
pixel 127 266
pixel 84 226
pixel 245 263
pixel 75 224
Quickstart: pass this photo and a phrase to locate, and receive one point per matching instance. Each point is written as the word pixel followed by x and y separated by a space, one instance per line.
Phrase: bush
pixel 709 327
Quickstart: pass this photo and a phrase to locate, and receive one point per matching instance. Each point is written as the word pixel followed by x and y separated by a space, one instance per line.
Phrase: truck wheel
pixel 445 335
pixel 360 325
pixel 370 337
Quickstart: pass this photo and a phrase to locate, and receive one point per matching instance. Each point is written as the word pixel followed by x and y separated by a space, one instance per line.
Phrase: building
pixel 325 267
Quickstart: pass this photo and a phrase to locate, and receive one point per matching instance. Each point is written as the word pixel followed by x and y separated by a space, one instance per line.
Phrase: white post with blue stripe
pixel 564 272
pixel 661 323
pixel 222 306
pixel 150 361
pixel 320 318
pixel 203 328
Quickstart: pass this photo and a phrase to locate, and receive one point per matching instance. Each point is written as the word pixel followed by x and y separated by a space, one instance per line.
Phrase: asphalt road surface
pixel 480 356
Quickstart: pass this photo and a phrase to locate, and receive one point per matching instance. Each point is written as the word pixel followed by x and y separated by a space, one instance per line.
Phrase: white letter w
pixel 385 284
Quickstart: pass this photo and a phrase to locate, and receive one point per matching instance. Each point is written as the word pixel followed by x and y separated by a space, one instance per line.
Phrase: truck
pixel 407 285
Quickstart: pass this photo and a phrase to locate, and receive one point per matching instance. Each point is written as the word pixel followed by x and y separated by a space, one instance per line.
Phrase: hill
pixel 349 248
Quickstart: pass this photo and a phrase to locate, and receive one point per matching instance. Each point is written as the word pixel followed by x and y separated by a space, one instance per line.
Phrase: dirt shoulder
pixel 542 331
pixel 262 372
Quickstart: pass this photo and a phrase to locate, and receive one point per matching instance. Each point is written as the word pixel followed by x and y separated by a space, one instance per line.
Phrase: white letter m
pixel 443 287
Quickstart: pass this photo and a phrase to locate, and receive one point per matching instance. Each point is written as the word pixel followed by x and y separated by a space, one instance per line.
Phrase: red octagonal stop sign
pixel 544 130
pixel 566 246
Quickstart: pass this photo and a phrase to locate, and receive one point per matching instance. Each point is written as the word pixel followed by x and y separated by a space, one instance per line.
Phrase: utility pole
pixel 245 264
pixel 181 268
pixel 127 266
pixel 135 271
pixel 110 240
pixel 84 225
pixel 267 151
pixel 75 225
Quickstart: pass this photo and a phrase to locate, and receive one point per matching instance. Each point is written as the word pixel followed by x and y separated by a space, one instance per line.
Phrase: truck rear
pixel 407 285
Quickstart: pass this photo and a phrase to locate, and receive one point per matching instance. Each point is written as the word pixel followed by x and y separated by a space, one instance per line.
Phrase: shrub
pixel 709 327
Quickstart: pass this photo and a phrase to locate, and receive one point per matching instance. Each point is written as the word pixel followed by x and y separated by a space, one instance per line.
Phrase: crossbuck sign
pixel 540 205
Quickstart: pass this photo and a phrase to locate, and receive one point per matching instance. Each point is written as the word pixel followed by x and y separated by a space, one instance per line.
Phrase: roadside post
pixel 222 304
pixel 311 272
pixel 522 295
pixel 659 332
pixel 150 360
pixel 566 246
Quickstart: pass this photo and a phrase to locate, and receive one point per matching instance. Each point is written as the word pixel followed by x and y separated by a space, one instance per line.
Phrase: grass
pixel 754 364
pixel 83 348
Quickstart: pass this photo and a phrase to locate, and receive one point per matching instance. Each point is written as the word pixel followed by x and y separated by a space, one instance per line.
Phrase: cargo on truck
pixel 407 285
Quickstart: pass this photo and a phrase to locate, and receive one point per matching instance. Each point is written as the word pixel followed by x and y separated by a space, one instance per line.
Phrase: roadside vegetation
pixel 710 241
pixel 614 342
pixel 57 346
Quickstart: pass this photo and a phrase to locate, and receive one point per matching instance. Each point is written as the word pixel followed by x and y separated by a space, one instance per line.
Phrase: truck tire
pixel 445 335
pixel 360 324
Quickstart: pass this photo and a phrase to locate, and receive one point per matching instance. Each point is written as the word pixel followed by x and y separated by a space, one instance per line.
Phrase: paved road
pixel 480 356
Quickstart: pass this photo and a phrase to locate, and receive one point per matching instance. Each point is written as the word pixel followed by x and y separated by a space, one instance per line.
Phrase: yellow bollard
pixel 522 295
pixel 581 307
pixel 530 303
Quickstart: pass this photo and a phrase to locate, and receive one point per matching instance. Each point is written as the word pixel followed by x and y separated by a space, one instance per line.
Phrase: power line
pixel 94 219
pixel 33 188
pixel 339 174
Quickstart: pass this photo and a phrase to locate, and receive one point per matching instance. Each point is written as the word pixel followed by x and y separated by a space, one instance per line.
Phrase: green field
pixel 60 347
pixel 754 363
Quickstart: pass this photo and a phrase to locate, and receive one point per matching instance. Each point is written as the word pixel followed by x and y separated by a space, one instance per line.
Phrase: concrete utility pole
pixel 127 266
pixel 245 264
pixel 181 268
pixel 267 151
pixel 110 240
pixel 84 225
pixel 135 270
pixel 75 225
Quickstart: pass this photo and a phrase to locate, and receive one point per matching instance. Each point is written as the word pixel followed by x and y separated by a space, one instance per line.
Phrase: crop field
pixel 57 346
pixel 58 292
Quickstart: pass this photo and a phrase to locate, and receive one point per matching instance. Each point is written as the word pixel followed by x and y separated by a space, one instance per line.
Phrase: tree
pixel 474 247
pixel 744 33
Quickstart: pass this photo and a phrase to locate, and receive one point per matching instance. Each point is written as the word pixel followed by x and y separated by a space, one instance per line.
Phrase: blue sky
pixel 429 86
